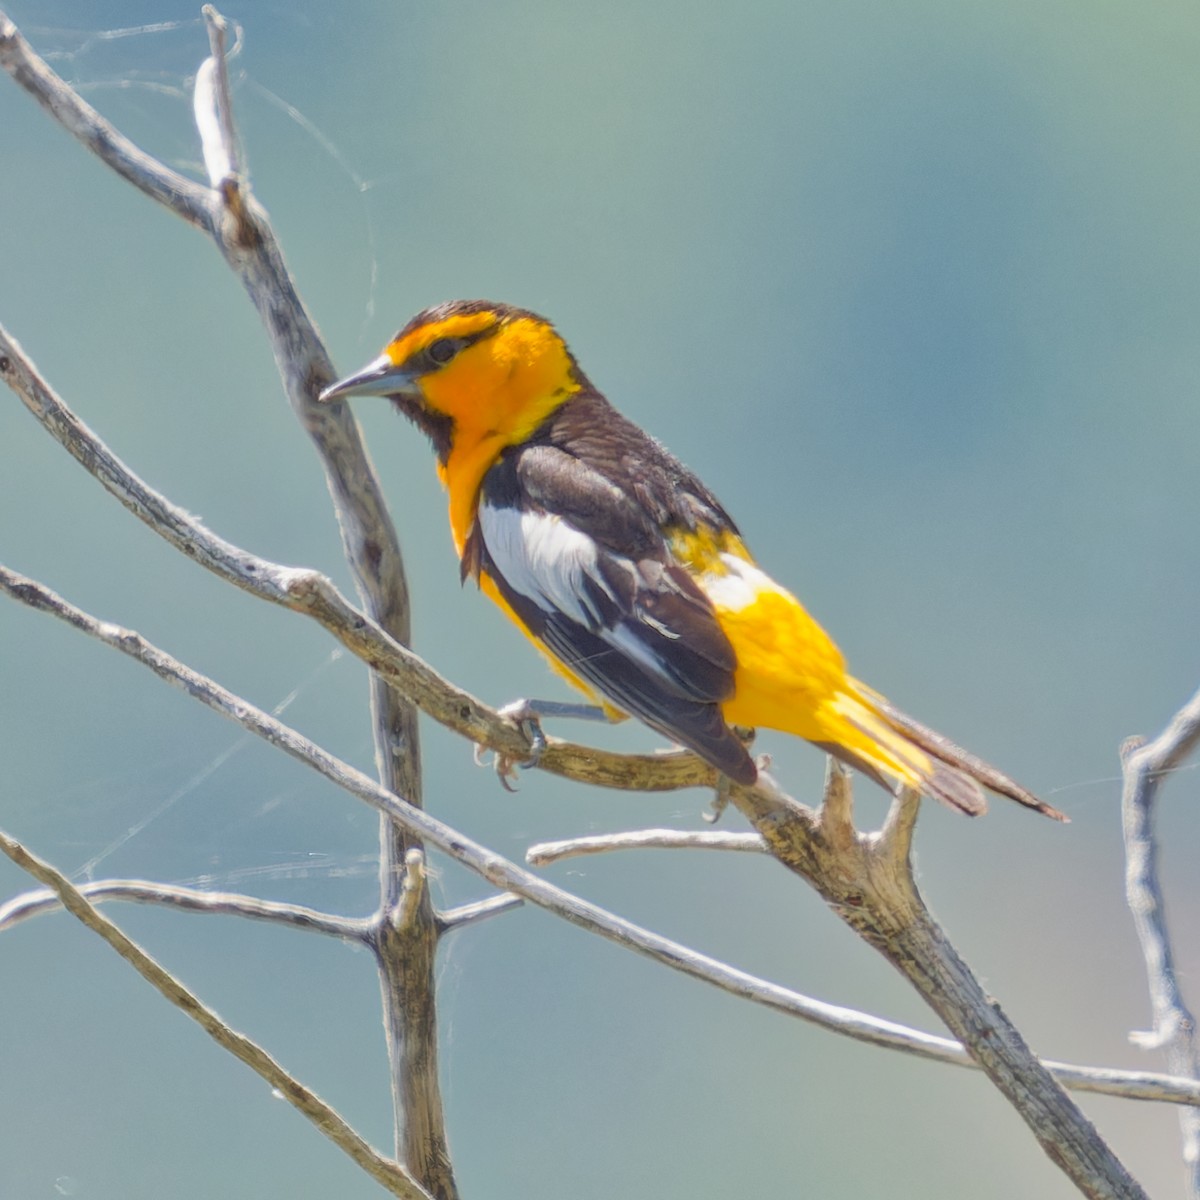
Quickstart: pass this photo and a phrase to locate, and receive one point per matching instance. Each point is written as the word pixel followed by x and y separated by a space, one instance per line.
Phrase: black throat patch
pixel 438 427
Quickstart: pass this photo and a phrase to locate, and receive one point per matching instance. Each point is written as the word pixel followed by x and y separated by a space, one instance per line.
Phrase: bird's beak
pixel 379 378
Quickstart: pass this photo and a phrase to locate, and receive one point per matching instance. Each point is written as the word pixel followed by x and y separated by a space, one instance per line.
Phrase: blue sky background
pixel 915 289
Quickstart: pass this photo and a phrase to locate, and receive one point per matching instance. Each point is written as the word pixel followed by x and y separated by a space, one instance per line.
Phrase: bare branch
pixel 837 809
pixel 541 854
pixel 1145 765
pixel 414 892
pixel 383 1170
pixel 213 107
pixel 406 947
pixel 183 196
pixel 895 838
pixel 477 910
pixel 406 939
pixel 142 891
pixel 508 876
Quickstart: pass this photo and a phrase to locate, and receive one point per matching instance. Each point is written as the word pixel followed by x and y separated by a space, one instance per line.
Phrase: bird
pixel 625 570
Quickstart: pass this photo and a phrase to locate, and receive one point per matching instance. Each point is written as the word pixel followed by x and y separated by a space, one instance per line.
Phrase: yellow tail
pixel 891 747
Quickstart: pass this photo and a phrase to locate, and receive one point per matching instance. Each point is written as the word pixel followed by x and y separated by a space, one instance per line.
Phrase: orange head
pixel 470 372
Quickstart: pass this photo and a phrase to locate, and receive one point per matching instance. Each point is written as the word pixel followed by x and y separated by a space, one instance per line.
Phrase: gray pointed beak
pixel 378 378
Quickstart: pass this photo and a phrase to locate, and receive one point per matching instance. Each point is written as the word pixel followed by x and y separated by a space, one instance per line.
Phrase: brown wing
pixel 584 565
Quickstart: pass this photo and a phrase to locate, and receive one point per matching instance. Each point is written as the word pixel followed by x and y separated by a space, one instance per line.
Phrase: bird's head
pixel 470 370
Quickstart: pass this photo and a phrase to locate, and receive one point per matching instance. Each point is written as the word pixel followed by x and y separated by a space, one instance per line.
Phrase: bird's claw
pixel 720 800
pixel 723 792
pixel 526 718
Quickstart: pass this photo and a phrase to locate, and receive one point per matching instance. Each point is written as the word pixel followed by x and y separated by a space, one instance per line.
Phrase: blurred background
pixel 913 286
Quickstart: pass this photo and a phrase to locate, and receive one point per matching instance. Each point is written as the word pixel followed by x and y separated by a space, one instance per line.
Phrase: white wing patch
pixel 739 586
pixel 638 632
pixel 634 647
pixel 551 562
pixel 545 559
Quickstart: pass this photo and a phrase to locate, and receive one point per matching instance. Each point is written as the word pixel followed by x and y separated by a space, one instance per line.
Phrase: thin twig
pixel 542 854
pixel 512 878
pixel 478 910
pixel 32 904
pixel 1145 766
pixel 183 196
pixel 383 1170
pixel 214 107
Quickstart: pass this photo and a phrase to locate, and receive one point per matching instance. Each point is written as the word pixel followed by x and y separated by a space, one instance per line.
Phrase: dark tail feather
pixel 958 769
pixel 944 783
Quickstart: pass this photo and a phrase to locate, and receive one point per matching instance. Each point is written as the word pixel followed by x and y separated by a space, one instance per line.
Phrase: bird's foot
pixel 720 801
pixel 527 716
pixel 723 792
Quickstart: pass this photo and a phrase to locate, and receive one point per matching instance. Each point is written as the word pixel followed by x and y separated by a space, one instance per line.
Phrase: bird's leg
pixel 745 735
pixel 721 793
pixel 720 801
pixel 527 716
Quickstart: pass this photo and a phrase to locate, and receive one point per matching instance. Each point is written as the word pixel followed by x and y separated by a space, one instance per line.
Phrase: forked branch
pixel 867 880
pixel 386 1172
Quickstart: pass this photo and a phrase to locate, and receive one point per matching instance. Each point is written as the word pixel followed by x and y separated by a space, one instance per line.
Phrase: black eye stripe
pixel 443 350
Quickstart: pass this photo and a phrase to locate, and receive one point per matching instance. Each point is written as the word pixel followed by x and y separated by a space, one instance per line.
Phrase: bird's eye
pixel 442 351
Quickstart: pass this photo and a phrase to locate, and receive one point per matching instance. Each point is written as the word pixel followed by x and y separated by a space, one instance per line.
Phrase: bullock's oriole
pixel 624 569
